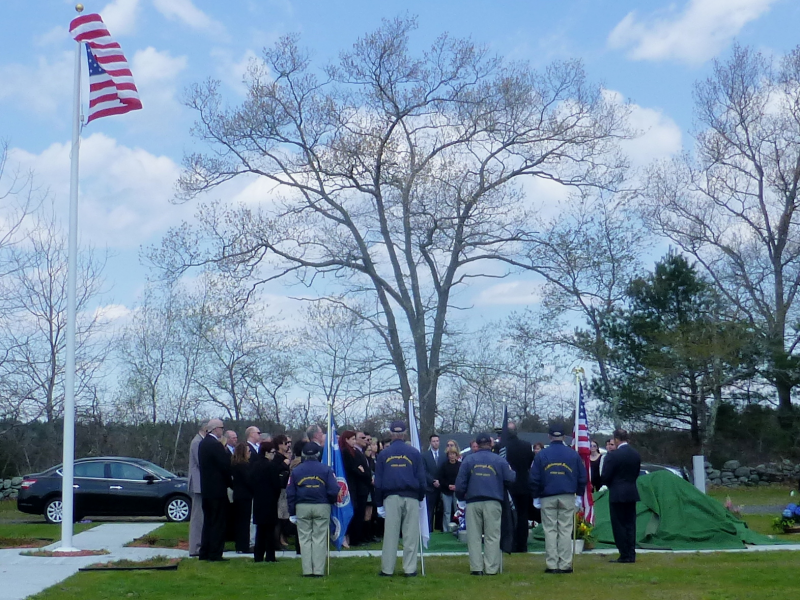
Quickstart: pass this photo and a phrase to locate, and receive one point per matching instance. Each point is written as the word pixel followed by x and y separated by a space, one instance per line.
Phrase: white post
pixel 67 468
pixel 575 434
pixel 699 472
pixel 329 454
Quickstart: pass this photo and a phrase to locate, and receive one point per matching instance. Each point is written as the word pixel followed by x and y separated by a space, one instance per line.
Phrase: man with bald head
pixel 231 439
pixel 215 478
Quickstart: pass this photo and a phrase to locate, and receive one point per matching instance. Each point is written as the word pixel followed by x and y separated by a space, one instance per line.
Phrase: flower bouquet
pixel 584 531
pixel 789 521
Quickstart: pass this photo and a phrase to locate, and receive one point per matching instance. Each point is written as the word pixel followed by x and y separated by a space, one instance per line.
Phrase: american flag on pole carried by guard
pixel 111 87
pixel 583 445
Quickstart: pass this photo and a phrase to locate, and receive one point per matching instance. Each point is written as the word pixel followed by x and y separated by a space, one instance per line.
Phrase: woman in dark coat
pixel 242 496
pixel 359 480
pixel 266 485
pixel 282 461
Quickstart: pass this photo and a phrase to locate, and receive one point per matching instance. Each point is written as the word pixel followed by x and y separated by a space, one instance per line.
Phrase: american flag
pixel 111 87
pixel 583 446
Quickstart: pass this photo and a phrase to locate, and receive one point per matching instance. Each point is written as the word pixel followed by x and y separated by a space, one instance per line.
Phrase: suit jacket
pixel 620 472
pixel 432 467
pixel 253 453
pixel 242 481
pixel 215 468
pixel 359 482
pixel 266 483
pixel 519 455
pixel 194 465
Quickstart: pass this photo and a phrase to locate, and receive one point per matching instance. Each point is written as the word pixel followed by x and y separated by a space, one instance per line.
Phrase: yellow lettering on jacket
pixel 310 482
pixel 476 470
pixel 550 466
pixel 391 461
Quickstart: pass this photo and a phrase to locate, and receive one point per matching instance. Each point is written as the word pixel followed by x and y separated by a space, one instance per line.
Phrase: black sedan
pixel 108 486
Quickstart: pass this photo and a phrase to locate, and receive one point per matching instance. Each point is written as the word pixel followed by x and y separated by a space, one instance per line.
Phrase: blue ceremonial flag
pixel 342 511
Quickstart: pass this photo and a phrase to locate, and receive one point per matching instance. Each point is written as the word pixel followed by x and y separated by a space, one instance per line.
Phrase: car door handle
pixel 75 486
pixel 115 487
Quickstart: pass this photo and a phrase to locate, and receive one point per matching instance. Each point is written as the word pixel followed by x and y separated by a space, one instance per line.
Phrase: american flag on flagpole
pixel 583 445
pixel 111 87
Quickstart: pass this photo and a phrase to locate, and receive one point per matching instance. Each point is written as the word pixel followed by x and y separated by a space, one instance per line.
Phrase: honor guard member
pixel 399 488
pixel 311 490
pixel 558 480
pixel 481 483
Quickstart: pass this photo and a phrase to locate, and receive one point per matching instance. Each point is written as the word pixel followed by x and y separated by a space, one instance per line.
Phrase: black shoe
pixel 565 571
pixel 552 571
pixel 382 574
pixel 476 572
pixel 414 574
pixel 623 560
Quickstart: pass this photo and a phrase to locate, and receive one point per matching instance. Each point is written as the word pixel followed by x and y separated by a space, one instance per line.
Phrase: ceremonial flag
pixel 111 87
pixel 504 433
pixel 423 505
pixel 342 511
pixel 583 445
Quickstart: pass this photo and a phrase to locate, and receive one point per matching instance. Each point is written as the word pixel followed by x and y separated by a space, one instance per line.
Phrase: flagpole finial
pixel 79 8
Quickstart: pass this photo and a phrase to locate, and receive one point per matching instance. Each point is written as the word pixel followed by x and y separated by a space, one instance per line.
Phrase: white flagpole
pixel 575 434
pixel 417 443
pixel 329 453
pixel 67 468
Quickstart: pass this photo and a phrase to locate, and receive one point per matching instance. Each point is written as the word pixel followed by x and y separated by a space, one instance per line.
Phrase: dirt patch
pixel 6 543
pixel 50 553
pixel 161 563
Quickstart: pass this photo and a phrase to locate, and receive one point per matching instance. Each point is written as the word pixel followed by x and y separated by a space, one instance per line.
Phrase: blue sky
pixel 648 52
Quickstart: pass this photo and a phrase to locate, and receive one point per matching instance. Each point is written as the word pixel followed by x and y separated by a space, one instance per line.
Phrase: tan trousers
pixel 483 520
pixel 313 521
pixel 558 519
pixel 402 514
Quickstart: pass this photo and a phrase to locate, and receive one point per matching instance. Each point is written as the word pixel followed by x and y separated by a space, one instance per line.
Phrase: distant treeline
pixel 751 435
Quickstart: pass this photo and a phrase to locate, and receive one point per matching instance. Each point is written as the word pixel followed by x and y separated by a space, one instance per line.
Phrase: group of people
pixel 387 482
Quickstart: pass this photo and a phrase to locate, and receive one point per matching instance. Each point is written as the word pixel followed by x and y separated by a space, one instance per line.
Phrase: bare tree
pixel 399 174
pixel 732 204
pixel 587 255
pixel 33 337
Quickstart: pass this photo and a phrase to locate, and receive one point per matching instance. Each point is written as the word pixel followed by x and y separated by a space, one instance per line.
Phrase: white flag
pixel 423 505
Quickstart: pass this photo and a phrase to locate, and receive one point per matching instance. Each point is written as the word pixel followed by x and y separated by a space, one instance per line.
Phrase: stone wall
pixel 9 488
pixel 734 474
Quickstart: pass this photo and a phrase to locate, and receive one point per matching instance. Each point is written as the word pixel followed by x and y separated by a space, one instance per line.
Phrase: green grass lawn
pixel 663 576
pixel 37 531
pixel 756 496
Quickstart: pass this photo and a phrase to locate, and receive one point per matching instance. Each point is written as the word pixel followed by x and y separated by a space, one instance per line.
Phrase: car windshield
pixel 158 470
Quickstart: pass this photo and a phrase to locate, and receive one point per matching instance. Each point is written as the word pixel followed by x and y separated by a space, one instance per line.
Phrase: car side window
pixel 121 470
pixel 95 470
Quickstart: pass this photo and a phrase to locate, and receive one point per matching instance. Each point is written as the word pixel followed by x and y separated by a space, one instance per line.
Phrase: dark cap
pixel 557 429
pixel 311 449
pixel 397 427
pixel 483 438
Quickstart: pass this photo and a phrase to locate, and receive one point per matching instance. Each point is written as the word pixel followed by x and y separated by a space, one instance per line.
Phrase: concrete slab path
pixel 23 576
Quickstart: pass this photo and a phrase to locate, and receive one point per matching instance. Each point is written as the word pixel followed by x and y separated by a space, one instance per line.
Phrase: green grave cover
pixel 672 515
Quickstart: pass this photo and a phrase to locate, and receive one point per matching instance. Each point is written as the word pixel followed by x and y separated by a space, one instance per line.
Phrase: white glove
pixel 537 503
pixel 381 512
pixel 293 519
pixel 462 505
pixel 578 502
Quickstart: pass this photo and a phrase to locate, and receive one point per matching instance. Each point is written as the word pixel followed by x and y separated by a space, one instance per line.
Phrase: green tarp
pixel 673 515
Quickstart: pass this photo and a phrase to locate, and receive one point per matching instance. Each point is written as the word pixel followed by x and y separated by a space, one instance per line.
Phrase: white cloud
pixel 658 135
pixel 124 193
pixel 157 77
pixel 151 66
pixel 510 292
pixel 42 88
pixel 53 37
pixel 694 35
pixel 188 14
pixel 231 70
pixel 120 17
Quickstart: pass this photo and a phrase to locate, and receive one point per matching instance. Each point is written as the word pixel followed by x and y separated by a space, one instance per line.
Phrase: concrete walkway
pixel 23 576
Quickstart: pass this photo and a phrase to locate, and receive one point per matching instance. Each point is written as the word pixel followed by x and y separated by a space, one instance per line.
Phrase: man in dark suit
pixel 433 460
pixel 620 472
pixel 215 478
pixel 520 456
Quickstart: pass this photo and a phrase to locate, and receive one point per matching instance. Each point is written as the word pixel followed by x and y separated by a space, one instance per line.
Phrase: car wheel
pixel 53 511
pixel 178 509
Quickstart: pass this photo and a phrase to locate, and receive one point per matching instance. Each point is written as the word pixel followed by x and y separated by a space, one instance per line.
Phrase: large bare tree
pixel 732 203
pixel 398 173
